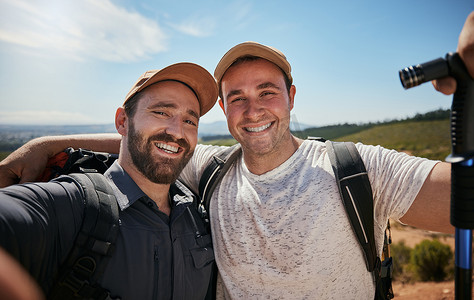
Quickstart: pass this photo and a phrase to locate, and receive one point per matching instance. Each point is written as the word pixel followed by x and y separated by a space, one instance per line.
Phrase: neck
pixel 259 164
pixel 159 193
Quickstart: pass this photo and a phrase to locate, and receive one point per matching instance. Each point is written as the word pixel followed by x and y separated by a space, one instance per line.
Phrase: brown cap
pixel 195 76
pixel 252 49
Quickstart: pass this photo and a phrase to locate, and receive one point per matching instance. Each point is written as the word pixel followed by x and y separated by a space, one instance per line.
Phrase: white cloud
pixel 80 29
pixel 44 118
pixel 197 27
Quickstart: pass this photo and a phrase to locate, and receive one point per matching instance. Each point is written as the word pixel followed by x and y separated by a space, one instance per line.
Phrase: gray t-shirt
pixel 285 235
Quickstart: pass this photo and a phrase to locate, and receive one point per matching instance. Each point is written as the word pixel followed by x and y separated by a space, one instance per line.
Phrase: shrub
pixel 430 260
pixel 401 258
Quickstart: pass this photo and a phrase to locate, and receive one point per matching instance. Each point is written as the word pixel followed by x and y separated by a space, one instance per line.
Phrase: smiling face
pixel 257 105
pixel 161 134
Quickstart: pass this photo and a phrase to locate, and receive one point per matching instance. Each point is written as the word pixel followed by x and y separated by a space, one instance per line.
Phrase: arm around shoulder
pixel 29 161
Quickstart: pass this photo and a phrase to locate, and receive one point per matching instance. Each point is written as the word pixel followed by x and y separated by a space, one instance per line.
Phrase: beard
pixel 158 170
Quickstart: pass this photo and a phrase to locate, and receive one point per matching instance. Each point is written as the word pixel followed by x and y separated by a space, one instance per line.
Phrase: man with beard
pixel 163 250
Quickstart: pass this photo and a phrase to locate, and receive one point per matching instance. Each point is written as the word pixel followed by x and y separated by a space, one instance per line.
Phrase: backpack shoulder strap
pixel 354 186
pixel 93 245
pixel 212 175
pixel 214 172
pixel 356 192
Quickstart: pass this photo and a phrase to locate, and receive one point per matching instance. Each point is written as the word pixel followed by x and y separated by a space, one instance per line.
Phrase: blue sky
pixel 73 61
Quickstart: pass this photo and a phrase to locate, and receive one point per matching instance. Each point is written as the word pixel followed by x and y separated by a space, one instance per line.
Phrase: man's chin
pixel 162 175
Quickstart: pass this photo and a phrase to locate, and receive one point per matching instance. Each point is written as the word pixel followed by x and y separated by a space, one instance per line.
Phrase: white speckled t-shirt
pixel 285 234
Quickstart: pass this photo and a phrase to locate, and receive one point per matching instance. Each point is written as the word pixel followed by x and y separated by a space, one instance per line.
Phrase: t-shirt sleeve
pixel 396 179
pixel 196 165
pixel 39 222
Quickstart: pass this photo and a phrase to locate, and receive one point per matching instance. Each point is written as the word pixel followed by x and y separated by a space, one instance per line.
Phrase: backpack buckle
pixel 84 267
pixel 386 270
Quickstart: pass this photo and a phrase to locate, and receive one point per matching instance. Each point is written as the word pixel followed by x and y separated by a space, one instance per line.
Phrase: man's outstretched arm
pixel 431 208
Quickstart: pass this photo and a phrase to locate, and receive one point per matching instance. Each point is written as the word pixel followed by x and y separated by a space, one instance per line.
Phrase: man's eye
pixel 159 113
pixel 267 93
pixel 237 99
pixel 191 122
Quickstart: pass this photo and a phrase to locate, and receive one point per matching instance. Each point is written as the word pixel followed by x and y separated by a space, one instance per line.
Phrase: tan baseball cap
pixel 252 49
pixel 195 76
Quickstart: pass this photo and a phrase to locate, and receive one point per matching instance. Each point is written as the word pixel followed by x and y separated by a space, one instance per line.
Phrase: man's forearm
pixel 29 161
pixel 103 142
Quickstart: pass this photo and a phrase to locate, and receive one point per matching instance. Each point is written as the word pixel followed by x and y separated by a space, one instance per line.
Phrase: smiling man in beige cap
pixel 280 230
pixel 163 250
pixel 279 225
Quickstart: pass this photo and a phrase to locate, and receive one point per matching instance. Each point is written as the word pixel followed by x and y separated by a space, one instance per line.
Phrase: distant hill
pixel 430 139
pixel 218 128
pixel 339 130
pixel 13 136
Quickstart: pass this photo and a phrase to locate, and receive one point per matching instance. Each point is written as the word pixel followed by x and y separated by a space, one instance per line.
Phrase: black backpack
pixel 86 262
pixel 355 190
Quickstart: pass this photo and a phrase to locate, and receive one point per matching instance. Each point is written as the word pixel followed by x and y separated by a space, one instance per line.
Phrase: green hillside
pixel 333 131
pixel 430 139
pixel 229 141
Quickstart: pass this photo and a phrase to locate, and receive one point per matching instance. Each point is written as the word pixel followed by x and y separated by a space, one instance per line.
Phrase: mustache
pixel 164 137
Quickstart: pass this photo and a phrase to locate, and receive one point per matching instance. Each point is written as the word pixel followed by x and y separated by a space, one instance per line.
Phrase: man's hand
pixel 465 49
pixel 23 165
pixel 15 282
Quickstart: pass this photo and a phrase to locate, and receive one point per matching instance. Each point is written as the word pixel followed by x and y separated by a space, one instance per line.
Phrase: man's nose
pixel 253 109
pixel 175 127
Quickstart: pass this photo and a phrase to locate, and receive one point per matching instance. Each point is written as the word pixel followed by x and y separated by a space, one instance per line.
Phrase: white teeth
pixel 167 148
pixel 258 129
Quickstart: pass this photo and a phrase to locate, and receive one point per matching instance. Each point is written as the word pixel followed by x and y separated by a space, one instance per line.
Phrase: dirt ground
pixel 424 291
pixel 421 290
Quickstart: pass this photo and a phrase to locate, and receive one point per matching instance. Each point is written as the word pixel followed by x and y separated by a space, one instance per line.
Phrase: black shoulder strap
pixel 214 172
pixel 212 175
pixel 94 244
pixel 356 192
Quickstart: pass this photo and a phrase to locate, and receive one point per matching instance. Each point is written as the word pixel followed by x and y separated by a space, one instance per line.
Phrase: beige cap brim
pixel 195 76
pixel 252 49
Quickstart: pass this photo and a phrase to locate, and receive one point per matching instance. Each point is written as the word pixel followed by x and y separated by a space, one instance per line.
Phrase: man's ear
pixel 221 104
pixel 292 96
pixel 121 121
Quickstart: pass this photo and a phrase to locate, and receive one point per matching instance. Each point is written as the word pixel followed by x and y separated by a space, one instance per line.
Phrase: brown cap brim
pixel 252 49
pixel 195 76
